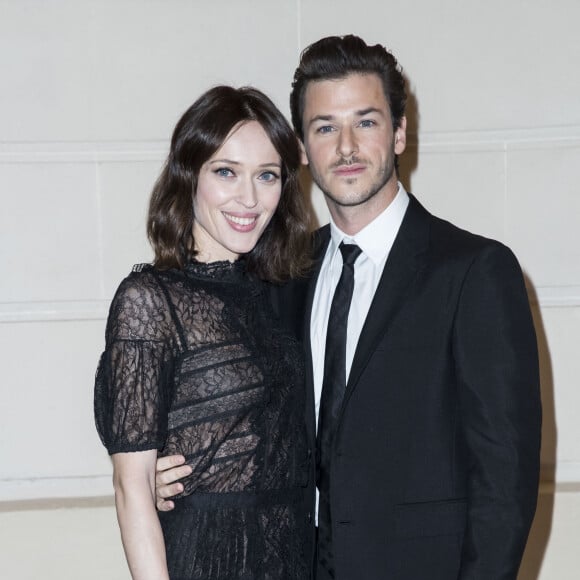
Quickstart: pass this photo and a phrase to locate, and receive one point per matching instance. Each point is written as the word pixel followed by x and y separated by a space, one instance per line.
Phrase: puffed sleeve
pixel 134 372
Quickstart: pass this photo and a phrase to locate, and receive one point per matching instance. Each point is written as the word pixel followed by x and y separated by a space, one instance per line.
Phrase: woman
pixel 195 362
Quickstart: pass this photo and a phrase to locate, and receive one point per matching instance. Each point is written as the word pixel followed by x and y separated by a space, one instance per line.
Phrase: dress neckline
pixel 219 270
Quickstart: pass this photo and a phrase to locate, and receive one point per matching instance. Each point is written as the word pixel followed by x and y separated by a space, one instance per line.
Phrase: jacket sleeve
pixel 499 396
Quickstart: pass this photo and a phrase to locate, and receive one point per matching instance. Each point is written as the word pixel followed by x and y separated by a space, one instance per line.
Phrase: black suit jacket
pixel 435 464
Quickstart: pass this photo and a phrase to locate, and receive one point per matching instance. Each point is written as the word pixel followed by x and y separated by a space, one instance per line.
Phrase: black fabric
pixel 196 364
pixel 333 386
pixel 435 461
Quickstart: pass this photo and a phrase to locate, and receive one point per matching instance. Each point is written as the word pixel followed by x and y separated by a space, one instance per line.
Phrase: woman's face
pixel 238 190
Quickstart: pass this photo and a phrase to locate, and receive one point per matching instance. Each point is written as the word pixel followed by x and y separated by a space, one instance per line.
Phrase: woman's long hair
pixel 283 250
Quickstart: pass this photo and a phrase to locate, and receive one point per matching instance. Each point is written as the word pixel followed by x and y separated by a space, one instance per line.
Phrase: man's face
pixel 350 143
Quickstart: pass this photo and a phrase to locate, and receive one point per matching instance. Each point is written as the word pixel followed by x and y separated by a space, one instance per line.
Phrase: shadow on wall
pixel 409 160
pixel 542 526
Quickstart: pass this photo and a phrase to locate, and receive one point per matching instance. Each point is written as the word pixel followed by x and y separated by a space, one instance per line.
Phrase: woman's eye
pixel 268 176
pixel 224 172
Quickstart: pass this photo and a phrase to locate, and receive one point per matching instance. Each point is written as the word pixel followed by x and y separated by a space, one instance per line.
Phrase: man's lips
pixel 349 170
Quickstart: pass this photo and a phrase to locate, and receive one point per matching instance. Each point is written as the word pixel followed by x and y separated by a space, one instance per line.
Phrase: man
pixel 429 425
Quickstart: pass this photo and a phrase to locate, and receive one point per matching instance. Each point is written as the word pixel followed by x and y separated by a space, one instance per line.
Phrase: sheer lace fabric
pixel 195 364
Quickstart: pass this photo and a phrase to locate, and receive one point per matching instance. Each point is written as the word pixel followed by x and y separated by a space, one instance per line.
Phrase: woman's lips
pixel 241 223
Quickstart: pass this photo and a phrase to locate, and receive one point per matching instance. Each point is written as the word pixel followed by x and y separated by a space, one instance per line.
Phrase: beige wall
pixel 91 90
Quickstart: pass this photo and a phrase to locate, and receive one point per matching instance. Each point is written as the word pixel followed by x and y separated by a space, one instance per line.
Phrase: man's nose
pixel 347 145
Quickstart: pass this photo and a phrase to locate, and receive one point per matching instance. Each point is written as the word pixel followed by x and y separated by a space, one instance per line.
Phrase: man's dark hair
pixel 336 57
pixel 283 249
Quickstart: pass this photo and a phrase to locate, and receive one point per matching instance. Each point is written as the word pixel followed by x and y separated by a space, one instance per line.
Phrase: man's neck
pixel 352 219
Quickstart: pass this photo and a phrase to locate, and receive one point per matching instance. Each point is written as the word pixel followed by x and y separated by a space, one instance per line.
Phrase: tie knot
pixel 350 252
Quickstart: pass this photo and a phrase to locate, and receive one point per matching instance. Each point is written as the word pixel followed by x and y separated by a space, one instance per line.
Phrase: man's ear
pixel 303 156
pixel 401 136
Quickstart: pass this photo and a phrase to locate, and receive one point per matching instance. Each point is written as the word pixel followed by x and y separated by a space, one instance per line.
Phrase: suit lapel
pixel 405 261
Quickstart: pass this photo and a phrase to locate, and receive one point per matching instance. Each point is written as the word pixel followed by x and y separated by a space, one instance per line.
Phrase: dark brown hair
pixel 283 249
pixel 336 57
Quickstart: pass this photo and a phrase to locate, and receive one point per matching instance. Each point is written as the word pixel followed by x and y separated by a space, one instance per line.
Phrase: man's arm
pixel 499 397
pixel 168 471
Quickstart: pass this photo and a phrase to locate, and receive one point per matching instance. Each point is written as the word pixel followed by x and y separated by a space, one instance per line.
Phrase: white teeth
pixel 242 221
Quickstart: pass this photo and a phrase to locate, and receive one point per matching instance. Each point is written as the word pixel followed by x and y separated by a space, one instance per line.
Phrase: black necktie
pixel 333 387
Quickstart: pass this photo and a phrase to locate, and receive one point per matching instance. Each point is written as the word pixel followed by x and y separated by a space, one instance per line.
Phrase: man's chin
pixel 352 199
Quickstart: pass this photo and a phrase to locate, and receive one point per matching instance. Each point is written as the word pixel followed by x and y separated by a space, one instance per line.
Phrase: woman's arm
pixel 134 482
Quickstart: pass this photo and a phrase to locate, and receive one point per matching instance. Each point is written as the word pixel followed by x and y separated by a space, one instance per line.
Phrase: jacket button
pixel 309 453
pixel 309 517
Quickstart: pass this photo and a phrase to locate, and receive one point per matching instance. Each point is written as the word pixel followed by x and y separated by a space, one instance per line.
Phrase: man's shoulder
pixel 450 245
pixel 447 232
pixel 450 237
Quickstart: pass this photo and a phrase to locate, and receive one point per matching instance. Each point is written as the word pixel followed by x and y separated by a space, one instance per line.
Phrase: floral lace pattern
pixel 195 364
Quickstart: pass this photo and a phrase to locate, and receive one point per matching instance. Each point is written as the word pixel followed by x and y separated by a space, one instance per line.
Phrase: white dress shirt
pixel 375 240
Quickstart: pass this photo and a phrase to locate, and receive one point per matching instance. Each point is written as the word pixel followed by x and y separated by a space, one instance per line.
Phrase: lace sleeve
pixel 133 375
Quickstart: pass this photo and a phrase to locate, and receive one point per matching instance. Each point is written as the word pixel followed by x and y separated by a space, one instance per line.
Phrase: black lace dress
pixel 195 364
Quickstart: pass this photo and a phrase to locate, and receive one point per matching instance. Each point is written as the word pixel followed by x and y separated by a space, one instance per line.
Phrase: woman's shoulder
pixel 139 307
pixel 141 281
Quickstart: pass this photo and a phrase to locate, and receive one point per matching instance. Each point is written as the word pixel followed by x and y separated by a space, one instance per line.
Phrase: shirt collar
pixel 377 237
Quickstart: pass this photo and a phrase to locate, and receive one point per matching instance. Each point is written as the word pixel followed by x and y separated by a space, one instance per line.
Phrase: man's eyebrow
pixel 359 113
pixel 321 118
pixel 363 112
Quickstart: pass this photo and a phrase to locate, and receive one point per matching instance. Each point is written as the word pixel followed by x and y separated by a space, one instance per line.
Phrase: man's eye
pixel 367 123
pixel 324 129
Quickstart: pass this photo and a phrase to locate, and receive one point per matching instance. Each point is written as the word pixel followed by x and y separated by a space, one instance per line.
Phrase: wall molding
pixel 84 152
pixel 54 311
pixel 61 311
pixel 55 487
pixel 555 296
pixel 156 149
pixel 492 140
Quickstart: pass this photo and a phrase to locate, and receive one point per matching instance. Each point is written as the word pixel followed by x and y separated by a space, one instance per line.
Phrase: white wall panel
pixel 154 58
pixel 81 542
pixel 124 190
pixel 47 428
pixel 472 65
pixel 49 231
pixel 46 64
pixel 463 185
pixel 543 211
pixel 561 394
